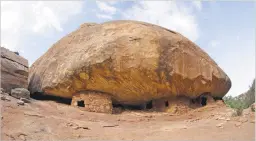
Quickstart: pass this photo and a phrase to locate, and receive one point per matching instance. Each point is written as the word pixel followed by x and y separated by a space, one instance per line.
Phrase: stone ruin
pixel 102 103
pixel 94 102
pixel 129 64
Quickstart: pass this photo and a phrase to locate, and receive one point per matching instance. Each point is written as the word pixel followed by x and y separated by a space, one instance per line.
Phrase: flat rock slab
pixel 5 53
pixel 14 70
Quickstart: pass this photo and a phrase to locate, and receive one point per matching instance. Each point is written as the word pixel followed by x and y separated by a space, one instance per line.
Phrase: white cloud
pixel 167 14
pixel 197 4
pixel 112 2
pixel 103 16
pixel 214 43
pixel 105 7
pixel 19 18
pixel 45 18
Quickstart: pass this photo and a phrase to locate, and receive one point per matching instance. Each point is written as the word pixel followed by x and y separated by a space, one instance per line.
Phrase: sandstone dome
pixel 130 61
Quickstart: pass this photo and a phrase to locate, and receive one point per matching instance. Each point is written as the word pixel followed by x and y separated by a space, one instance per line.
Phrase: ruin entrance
pixel 166 104
pixel 149 105
pixel 117 106
pixel 203 101
pixel 80 103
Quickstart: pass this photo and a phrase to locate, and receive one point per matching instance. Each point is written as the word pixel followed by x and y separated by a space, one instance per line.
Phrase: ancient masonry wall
pixel 179 105
pixel 93 102
pixel 172 105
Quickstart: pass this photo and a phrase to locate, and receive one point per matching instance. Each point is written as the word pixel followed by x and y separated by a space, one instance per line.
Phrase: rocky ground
pixel 49 120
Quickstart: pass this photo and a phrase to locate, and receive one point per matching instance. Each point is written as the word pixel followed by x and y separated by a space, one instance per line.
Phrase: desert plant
pixel 253 109
pixel 242 101
pixel 234 102
pixel 239 111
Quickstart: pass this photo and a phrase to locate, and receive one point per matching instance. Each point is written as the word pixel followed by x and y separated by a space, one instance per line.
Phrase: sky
pixel 223 29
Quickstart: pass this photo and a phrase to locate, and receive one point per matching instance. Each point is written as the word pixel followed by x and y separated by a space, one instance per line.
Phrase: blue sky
pixel 225 30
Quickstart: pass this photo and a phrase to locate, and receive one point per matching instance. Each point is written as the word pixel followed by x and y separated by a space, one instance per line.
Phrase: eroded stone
pixel 131 62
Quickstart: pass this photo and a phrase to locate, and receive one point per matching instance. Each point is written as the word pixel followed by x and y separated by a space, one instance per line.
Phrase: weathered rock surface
pixel 14 70
pixel 2 90
pixel 19 102
pixel 25 100
pixel 3 97
pixel 131 61
pixel 20 93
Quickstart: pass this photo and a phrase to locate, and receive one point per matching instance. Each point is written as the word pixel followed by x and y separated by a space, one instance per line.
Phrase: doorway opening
pixel 80 103
pixel 166 104
pixel 149 105
pixel 203 101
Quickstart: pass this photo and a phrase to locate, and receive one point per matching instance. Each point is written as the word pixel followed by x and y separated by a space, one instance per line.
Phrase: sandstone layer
pixel 130 61
pixel 14 70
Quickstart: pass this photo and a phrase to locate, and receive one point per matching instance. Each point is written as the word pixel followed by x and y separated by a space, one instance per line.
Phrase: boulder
pixel 20 93
pixel 131 61
pixel 14 70
pixel 220 125
pixel 3 97
pixel 2 90
pixel 19 102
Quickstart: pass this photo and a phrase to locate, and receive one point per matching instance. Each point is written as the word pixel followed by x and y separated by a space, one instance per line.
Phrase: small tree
pixel 242 101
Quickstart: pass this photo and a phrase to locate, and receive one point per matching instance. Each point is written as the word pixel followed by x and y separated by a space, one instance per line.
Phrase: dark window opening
pixel 166 103
pixel 193 101
pixel 80 103
pixel 117 108
pixel 149 105
pixel 217 98
pixel 203 101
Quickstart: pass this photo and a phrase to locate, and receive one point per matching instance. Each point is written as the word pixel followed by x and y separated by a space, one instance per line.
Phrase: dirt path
pixel 48 120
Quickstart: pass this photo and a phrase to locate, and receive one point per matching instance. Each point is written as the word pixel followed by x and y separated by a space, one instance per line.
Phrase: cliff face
pixel 130 61
pixel 14 70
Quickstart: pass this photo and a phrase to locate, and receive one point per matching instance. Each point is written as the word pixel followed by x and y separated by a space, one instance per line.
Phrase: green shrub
pixel 253 108
pixel 242 101
pixel 239 111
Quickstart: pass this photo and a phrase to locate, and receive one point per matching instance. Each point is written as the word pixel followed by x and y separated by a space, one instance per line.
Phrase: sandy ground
pixel 49 120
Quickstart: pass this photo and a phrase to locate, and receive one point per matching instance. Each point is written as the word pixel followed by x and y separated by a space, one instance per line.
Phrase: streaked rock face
pixel 131 61
pixel 14 70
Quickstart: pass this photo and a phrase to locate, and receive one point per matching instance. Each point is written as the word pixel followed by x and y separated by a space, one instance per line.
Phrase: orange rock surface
pixel 131 61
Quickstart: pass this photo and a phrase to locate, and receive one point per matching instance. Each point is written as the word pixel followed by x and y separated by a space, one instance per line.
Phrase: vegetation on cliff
pixel 242 101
